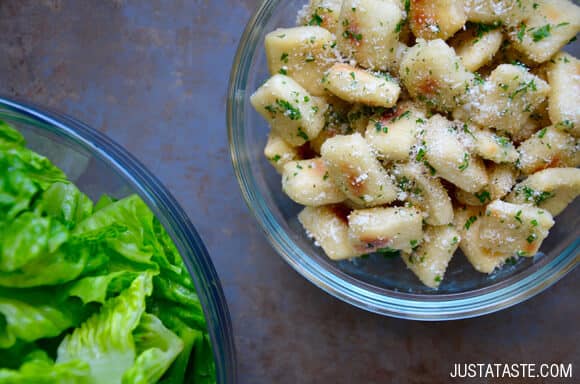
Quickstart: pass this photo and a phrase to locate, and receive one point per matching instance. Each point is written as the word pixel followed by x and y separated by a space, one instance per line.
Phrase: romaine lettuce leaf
pixel 59 267
pixel 36 167
pixel 16 355
pixel 65 202
pixel 20 320
pixel 105 340
pixel 23 174
pixel 16 192
pixel 203 364
pixel 137 242
pixel 96 289
pixel 192 316
pixel 157 348
pixel 104 201
pixel 10 137
pixel 41 371
pixel 177 371
pixel 27 238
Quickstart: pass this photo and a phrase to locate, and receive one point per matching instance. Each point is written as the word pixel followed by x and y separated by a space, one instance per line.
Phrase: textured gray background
pixel 153 75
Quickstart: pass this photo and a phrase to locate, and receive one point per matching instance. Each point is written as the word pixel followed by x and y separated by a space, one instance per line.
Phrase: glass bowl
pixel 376 284
pixel 97 165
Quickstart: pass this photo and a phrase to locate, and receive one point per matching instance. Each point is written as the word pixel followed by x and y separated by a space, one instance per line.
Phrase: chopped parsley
pixel 537 197
pixel 316 19
pixel 271 109
pixel 288 109
pixel 420 154
pixel 466 129
pixel 542 132
pixel 518 216
pixel 413 243
pixel 388 252
pixel 432 170
pixel 283 71
pixel 511 261
pixel 437 279
pixel 534 222
pixel 523 88
pixel 302 134
pixel 470 221
pixel 530 239
pixel 325 177
pixel 402 116
pixel 276 158
pixel 399 25
pixel 541 33
pixel 519 64
pixel 350 35
pixel 284 58
pixel 501 140
pixel 465 163
pixel 483 196
pixel 404 183
pixel 481 29
pixel 521 32
pixel 543 196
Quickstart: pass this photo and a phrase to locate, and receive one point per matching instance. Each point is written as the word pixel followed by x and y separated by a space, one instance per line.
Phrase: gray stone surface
pixel 153 75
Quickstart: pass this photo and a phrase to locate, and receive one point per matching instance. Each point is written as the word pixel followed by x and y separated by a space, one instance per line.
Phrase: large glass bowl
pixel 97 165
pixel 375 284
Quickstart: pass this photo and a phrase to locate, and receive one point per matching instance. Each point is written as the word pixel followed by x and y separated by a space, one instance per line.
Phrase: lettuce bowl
pixel 98 166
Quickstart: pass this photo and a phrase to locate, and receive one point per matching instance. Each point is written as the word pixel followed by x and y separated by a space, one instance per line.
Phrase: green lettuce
pixel 33 166
pixel 23 173
pixel 136 241
pixel 105 340
pixel 203 364
pixel 157 347
pixel 28 238
pixel 38 368
pixel 10 137
pixel 177 373
pixel 96 289
pixel 31 314
pixel 65 202
pixel 90 293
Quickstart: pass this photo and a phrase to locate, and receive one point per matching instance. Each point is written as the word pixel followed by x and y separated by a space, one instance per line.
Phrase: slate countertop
pixel 153 74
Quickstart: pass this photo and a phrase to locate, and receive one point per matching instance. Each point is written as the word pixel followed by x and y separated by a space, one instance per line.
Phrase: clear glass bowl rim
pixel 163 205
pixel 504 294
